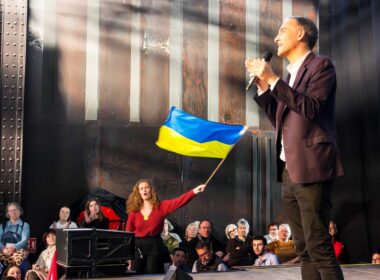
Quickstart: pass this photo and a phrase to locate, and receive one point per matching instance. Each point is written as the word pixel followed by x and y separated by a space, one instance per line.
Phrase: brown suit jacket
pixel 304 115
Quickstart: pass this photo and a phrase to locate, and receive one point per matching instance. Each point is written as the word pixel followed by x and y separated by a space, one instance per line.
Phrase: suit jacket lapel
pixel 302 70
pixel 282 108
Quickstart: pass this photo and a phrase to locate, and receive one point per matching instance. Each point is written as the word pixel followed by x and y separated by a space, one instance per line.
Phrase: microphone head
pixel 267 56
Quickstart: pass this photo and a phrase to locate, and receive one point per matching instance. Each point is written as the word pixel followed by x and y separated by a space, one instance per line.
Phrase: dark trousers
pixel 149 255
pixel 307 207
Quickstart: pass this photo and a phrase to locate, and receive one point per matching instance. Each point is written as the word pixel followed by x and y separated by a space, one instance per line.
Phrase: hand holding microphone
pixel 260 71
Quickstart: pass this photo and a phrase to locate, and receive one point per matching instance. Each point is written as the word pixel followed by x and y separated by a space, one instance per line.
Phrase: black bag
pixel 10 236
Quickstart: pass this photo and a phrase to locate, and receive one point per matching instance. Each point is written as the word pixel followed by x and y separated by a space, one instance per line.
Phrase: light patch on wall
pixel 135 62
pixel 287 11
pixel 213 61
pixel 252 51
pixel 175 52
pixel 92 61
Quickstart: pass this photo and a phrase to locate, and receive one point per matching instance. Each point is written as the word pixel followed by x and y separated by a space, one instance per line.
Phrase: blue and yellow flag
pixel 188 135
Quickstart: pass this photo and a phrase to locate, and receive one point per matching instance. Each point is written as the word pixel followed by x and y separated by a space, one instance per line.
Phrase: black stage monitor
pixel 89 247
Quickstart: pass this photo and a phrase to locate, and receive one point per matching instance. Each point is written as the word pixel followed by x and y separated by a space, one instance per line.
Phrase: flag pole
pixel 216 169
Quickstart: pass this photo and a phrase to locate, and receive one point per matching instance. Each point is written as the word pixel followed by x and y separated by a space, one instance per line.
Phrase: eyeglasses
pixel 375 259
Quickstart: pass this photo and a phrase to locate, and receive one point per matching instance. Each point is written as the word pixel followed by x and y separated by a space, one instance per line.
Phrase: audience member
pixel 191 230
pixel 93 216
pixel 231 231
pixel 146 219
pixel 337 245
pixel 272 233
pixel 14 235
pixel 64 220
pixel 239 248
pixel 376 257
pixel 171 240
pixel 189 243
pixel 283 247
pixel 12 271
pixel 205 235
pixel 41 268
pixel 264 258
pixel 207 259
pixel 179 259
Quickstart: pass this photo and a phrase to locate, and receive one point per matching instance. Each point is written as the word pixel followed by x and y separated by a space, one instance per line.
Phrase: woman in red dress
pixel 146 215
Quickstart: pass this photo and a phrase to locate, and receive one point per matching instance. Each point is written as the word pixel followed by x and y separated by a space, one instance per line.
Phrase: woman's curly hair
pixel 135 201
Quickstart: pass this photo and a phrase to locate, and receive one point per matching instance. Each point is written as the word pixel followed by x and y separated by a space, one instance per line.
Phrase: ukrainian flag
pixel 188 135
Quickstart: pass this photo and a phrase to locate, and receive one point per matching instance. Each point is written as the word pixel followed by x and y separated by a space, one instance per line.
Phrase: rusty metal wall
pixel 13 52
pixel 101 77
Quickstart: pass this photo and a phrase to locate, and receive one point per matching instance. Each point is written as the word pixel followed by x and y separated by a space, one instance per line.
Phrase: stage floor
pixel 351 272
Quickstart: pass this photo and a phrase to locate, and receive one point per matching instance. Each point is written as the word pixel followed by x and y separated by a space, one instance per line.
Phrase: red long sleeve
pixel 155 223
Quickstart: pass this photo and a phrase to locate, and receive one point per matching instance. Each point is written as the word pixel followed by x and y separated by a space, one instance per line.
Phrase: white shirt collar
pixel 295 66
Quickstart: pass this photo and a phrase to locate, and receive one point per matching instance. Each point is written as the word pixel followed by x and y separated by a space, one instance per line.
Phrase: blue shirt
pixel 23 231
pixel 269 259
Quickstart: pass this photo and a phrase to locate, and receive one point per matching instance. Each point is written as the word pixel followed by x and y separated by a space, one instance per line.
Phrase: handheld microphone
pixel 267 57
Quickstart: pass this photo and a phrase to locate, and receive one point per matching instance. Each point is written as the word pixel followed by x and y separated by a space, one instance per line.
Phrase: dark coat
pixel 241 252
pixel 304 114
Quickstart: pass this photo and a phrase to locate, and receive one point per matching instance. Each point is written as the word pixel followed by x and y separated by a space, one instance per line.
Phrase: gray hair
pixel 243 222
pixel 193 224
pixel 287 228
pixel 15 204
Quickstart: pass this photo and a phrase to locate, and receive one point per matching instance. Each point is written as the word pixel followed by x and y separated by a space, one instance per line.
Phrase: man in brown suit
pixel 301 108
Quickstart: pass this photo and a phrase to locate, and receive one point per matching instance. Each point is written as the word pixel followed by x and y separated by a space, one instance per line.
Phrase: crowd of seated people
pixel 197 251
pixel 15 234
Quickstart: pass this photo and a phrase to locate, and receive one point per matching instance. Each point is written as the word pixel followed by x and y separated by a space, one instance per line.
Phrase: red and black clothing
pixel 149 245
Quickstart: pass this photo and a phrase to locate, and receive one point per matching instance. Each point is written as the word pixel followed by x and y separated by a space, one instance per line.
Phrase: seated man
pixel 272 233
pixel 207 261
pixel 283 247
pixel 259 245
pixel 204 235
pixel 179 260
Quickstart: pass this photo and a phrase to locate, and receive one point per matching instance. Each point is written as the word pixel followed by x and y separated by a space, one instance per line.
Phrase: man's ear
pixel 301 34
